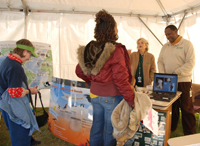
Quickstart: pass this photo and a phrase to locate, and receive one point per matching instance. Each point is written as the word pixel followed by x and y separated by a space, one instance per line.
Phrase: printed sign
pixel 144 137
pixel 70 111
pixel 151 121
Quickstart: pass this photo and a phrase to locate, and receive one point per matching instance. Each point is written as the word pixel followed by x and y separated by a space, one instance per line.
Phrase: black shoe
pixel 35 142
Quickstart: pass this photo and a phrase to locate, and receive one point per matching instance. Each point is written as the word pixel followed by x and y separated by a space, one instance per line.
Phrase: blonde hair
pixel 145 41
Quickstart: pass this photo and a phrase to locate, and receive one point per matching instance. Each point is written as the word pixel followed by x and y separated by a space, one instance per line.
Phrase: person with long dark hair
pixel 105 65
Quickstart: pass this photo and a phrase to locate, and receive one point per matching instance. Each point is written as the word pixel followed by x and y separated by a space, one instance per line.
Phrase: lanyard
pixel 140 65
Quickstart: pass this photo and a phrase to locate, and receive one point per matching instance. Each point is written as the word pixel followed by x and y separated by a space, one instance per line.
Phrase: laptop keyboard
pixel 161 97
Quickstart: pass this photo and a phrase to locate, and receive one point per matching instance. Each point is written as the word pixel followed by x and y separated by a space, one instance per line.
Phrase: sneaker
pixel 35 142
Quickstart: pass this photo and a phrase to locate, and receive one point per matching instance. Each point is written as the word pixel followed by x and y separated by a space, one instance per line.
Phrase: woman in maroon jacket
pixel 105 65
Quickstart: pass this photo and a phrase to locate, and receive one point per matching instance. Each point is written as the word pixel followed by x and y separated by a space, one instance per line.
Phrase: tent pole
pixel 185 13
pixel 167 19
pixel 8 5
pixel 80 12
pixel 150 30
pixel 195 8
pixel 25 10
pixel 61 18
pixel 162 7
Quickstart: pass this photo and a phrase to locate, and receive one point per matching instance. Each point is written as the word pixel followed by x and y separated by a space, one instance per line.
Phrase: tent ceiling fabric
pixel 124 7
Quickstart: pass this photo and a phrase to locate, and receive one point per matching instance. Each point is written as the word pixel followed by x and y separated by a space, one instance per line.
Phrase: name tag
pixel 179 48
pixel 147 63
pixel 139 79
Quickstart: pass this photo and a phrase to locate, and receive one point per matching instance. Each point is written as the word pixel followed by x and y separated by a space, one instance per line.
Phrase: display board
pixel 144 137
pixel 70 111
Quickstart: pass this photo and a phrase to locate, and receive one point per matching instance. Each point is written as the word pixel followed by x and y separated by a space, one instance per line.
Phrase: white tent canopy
pixel 125 7
pixel 69 23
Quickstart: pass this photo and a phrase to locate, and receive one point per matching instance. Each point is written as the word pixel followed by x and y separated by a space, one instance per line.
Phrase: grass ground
pixel 179 130
pixel 48 139
pixel 45 136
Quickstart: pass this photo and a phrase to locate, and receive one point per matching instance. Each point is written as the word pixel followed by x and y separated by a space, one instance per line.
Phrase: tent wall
pixel 46 28
pixel 65 32
pixel 11 25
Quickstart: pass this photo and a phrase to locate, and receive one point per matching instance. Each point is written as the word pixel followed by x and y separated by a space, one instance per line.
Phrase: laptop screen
pixel 165 83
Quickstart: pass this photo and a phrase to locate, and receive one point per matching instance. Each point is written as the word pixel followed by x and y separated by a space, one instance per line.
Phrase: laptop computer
pixel 164 87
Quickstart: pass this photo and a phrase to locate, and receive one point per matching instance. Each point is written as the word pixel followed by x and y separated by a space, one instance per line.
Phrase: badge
pixel 139 79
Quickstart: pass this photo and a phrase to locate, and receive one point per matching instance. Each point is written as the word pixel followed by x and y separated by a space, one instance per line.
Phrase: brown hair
pixel 22 42
pixel 145 41
pixel 104 29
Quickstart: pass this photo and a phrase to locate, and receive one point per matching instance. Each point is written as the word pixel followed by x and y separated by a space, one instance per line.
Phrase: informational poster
pixel 151 121
pixel 38 70
pixel 70 111
pixel 144 137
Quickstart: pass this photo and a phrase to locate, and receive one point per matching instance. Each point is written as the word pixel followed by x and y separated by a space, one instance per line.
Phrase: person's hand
pixel 132 87
pixel 133 83
pixel 33 90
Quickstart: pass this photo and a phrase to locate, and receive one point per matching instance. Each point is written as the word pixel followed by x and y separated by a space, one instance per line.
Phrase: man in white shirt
pixel 178 57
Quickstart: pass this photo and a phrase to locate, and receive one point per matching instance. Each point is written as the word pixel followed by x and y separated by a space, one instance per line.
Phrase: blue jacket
pixel 19 111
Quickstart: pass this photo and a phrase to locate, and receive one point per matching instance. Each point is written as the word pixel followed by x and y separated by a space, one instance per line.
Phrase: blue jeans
pixel 18 134
pixel 102 110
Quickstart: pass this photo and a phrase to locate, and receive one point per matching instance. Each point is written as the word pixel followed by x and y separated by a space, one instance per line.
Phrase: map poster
pixel 144 137
pixel 70 111
pixel 38 70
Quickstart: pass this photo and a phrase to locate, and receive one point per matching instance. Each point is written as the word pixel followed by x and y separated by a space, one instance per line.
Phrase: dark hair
pixel 172 27
pixel 104 29
pixel 22 42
